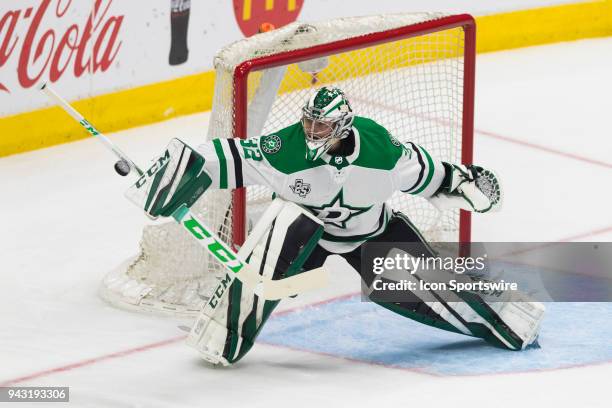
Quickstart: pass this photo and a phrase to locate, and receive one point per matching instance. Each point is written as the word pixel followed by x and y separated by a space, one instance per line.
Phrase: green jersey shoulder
pixel 378 149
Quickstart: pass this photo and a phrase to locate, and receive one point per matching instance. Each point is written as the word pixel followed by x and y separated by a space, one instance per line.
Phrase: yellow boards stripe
pixel 110 112
pixel 544 25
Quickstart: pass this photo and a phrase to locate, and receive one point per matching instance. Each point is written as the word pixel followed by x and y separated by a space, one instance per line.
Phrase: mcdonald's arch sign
pixel 251 14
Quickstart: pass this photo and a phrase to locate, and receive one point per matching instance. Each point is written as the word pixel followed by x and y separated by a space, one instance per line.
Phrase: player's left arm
pixel 447 185
pixel 417 172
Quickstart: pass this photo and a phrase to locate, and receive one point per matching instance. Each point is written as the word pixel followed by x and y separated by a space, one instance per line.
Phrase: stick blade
pixel 283 288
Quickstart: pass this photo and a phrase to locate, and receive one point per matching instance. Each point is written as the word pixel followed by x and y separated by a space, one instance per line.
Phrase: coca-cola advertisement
pixel 88 48
pixel 57 41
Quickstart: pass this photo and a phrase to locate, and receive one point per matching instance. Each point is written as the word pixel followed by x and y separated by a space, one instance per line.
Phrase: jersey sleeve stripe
pixel 430 173
pixel 237 162
pixel 421 172
pixel 222 163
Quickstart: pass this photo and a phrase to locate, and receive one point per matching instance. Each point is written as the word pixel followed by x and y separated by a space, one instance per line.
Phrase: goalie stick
pixel 266 288
pixel 124 165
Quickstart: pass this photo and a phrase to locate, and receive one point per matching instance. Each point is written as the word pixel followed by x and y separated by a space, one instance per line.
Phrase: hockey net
pixel 412 73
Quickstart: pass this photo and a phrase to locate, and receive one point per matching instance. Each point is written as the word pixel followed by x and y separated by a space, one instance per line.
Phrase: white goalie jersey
pixel 347 193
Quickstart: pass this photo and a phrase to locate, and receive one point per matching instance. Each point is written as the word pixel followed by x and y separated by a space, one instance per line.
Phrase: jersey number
pixel 251 151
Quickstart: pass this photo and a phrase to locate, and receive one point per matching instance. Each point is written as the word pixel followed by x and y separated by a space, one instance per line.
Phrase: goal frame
pixel 242 71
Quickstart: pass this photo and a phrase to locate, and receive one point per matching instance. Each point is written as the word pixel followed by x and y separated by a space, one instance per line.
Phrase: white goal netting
pixel 412 86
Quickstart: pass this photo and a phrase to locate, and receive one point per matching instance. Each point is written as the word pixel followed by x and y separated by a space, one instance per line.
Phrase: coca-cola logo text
pixel 91 46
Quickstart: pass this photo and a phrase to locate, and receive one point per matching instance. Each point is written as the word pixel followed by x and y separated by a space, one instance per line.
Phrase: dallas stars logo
pixel 271 144
pixel 337 212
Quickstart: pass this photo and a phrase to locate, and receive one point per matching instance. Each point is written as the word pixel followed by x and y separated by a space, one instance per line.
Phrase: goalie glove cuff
pixel 446 181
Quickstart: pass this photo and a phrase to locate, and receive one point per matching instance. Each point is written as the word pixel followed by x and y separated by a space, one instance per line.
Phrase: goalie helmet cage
pixel 412 73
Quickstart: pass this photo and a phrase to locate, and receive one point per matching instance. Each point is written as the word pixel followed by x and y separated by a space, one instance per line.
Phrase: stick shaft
pixel 265 288
pixel 88 126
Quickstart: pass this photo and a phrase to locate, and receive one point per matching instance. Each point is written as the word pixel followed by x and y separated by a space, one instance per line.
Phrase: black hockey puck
pixel 122 168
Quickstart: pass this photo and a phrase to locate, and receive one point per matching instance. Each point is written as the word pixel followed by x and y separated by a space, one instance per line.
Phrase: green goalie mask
pixel 326 118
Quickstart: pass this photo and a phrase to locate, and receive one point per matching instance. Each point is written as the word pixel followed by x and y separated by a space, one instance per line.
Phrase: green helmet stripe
pixel 334 107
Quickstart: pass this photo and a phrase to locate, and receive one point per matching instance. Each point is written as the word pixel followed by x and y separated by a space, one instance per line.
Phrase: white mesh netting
pixel 413 87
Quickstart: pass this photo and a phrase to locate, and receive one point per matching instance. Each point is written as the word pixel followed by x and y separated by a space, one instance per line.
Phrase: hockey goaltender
pixel 331 174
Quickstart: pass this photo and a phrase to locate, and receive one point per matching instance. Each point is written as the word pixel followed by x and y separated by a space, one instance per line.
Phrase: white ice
pixel 65 224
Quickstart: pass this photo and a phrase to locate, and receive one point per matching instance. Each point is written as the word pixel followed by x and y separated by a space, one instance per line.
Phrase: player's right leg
pixel 230 321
